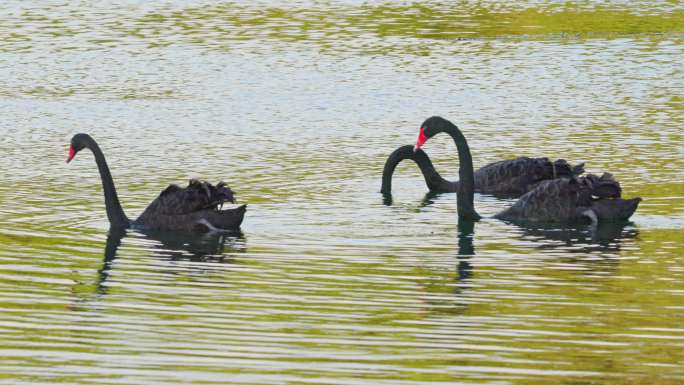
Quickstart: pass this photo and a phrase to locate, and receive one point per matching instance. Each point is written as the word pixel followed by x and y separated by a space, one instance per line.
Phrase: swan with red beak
pixel 195 208
pixel 560 200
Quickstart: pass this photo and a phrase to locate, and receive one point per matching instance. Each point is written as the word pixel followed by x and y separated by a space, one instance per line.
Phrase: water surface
pixel 297 105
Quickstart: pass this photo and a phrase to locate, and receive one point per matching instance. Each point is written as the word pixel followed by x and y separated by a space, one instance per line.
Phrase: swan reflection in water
pixel 573 242
pixel 427 200
pixel 603 236
pixel 206 247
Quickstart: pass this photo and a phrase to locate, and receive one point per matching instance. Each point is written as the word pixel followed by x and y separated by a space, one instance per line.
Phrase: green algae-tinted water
pixel 297 105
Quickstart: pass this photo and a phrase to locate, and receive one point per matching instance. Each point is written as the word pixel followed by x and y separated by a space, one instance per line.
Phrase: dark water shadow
pixel 456 301
pixel 594 248
pixel 574 243
pixel 430 198
pixel 466 249
pixel 209 247
pixel 114 238
pixel 605 237
pixel 427 200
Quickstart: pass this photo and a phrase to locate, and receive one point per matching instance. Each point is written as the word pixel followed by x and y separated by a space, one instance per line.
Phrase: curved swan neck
pixel 466 174
pixel 434 181
pixel 115 213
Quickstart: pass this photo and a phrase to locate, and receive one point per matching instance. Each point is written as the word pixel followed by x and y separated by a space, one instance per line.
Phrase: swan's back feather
pixel 515 177
pixel 182 208
pixel 198 195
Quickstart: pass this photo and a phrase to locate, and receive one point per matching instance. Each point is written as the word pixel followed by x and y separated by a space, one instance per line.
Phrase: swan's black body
pixel 506 178
pixel 572 200
pixel 560 200
pixel 514 177
pixel 192 208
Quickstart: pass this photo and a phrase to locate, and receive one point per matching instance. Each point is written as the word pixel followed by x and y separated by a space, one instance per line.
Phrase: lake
pixel 297 105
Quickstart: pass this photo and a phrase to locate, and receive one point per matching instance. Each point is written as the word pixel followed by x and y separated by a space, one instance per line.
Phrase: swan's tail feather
pixel 604 186
pixel 578 169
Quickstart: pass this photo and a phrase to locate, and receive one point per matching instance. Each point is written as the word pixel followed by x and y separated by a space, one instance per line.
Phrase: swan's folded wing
pixel 517 176
pixel 197 196
pixel 512 176
pixel 556 200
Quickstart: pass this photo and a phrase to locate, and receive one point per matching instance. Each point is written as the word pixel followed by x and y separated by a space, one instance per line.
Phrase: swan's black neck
pixel 434 181
pixel 115 213
pixel 466 174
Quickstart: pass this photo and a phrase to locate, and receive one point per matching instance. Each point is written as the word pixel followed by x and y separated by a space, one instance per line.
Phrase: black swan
pixel 560 200
pixel 510 178
pixel 196 207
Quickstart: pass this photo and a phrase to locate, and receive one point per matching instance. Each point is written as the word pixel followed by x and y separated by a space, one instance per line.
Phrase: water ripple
pixel 297 105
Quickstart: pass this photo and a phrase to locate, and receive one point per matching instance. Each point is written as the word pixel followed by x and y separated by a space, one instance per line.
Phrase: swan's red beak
pixel 72 154
pixel 422 138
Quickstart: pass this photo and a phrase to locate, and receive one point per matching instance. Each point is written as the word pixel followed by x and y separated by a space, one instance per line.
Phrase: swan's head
pixel 78 143
pixel 431 127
